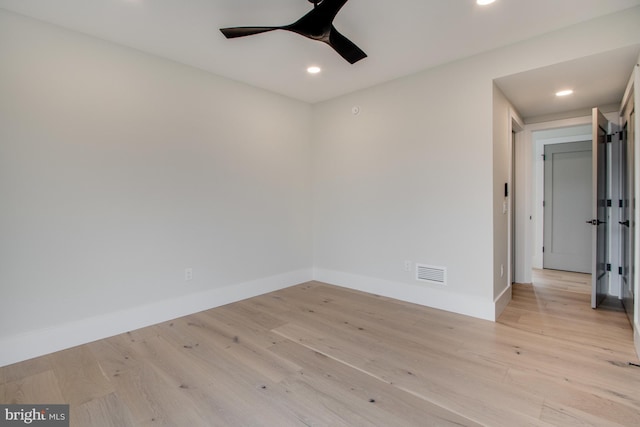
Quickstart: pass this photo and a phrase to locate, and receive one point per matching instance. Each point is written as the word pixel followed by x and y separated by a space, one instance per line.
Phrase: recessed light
pixel 484 2
pixel 564 92
pixel 313 70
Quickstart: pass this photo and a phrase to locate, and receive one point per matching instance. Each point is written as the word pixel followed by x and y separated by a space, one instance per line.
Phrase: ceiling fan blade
pixel 345 47
pixel 234 32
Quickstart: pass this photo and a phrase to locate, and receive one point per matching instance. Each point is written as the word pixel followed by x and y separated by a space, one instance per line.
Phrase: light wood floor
pixel 562 281
pixel 320 355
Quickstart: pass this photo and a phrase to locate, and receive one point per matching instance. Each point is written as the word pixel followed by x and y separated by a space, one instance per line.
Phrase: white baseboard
pixel 426 295
pixel 501 302
pixel 36 343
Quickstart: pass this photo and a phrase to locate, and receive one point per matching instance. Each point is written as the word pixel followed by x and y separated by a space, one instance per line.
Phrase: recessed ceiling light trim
pixel 314 69
pixel 484 2
pixel 565 92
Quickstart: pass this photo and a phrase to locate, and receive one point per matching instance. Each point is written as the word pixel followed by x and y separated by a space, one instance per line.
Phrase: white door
pixel 627 225
pixel 567 203
pixel 598 221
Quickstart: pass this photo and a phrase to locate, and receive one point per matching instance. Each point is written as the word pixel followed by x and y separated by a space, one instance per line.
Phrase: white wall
pixel 412 176
pixel 401 181
pixel 118 170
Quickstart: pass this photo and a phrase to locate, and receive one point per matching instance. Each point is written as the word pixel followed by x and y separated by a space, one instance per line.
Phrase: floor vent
pixel 431 274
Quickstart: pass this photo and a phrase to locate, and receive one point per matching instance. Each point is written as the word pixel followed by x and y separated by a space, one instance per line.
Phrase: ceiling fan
pixel 316 25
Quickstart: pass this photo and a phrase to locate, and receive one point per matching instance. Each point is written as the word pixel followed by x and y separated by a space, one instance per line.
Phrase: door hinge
pixel 543 205
pixel 609 138
pixel 608 267
pixel 609 203
pixel 543 249
pixel 621 203
pixel 620 271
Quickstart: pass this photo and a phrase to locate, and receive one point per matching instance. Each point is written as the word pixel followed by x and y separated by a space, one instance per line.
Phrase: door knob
pixel 625 223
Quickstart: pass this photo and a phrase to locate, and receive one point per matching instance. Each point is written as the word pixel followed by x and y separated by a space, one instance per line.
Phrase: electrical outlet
pixel 188 274
pixel 407 265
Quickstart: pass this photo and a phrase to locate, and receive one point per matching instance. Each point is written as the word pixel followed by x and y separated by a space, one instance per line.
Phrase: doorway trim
pixel 529 207
pixel 518 195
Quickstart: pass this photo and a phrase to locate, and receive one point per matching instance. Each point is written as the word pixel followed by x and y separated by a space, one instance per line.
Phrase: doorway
pixel 543 137
pixel 558 152
pixel 567 206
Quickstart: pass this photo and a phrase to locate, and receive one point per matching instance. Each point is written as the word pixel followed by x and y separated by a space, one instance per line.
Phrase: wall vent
pixel 431 274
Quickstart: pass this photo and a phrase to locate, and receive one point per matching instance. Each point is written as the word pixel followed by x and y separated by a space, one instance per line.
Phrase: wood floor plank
pixel 426 373
pixel 106 411
pixel 559 415
pixel 238 393
pixel 204 336
pixel 569 393
pixel 153 399
pixel 24 369
pixel 80 377
pixel 37 388
pixel 380 404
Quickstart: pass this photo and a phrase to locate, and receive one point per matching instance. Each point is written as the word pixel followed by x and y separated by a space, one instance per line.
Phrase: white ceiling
pixel 597 81
pixel 401 37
